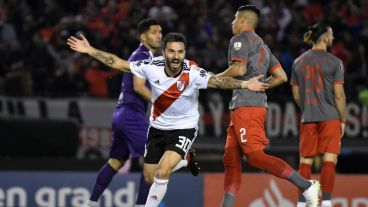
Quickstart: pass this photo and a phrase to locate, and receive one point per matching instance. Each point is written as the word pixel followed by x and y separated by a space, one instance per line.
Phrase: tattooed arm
pixel 252 84
pixel 111 60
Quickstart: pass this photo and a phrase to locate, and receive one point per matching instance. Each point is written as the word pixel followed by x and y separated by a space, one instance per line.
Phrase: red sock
pixel 305 170
pixel 233 169
pixel 328 177
pixel 270 164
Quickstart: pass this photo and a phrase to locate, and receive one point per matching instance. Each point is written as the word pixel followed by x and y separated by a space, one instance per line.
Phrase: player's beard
pixel 174 65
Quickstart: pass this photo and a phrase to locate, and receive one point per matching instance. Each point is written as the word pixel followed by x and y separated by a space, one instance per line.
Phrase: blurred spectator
pixel 34 32
pixel 97 80
pixel 164 13
pixel 18 82
pixel 68 82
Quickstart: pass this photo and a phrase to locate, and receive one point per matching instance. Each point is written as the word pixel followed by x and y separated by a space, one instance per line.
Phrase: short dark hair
pixel 145 24
pixel 174 37
pixel 250 7
pixel 314 32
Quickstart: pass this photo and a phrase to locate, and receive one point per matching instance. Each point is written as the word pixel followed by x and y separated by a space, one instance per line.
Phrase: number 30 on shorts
pixel 184 143
pixel 243 132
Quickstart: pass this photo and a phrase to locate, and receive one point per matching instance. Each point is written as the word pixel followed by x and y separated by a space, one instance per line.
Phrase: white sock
pixel 326 203
pixel 157 192
pixel 182 163
pixel 136 205
pixel 301 204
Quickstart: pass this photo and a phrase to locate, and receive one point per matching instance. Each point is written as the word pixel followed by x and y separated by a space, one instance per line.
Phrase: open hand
pixel 254 84
pixel 79 45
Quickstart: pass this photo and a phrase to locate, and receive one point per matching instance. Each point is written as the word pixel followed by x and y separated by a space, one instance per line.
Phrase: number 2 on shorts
pixel 243 132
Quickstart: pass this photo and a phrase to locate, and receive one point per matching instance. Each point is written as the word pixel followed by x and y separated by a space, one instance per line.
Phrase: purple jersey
pixel 129 122
pixel 315 72
pixel 127 97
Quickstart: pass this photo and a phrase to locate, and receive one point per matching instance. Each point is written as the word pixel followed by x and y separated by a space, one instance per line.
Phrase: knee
pixel 232 158
pixel 115 163
pixel 163 172
pixel 148 177
pixel 330 157
pixel 256 157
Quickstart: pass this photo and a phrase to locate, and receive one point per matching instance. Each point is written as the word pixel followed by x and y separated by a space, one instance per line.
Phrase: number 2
pixel 243 132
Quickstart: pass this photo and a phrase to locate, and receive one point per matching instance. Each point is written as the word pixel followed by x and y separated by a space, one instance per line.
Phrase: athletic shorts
pixel 129 133
pixel 319 137
pixel 159 141
pixel 246 129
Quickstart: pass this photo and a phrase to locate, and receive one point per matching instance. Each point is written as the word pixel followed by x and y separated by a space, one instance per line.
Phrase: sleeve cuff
pixel 239 60
pixel 338 82
pixel 274 67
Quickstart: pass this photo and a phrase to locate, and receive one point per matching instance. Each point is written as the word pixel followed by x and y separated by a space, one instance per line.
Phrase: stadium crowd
pixel 35 60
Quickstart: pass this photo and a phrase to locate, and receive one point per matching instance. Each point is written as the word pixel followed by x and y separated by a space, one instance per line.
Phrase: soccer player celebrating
pixel 130 134
pixel 174 116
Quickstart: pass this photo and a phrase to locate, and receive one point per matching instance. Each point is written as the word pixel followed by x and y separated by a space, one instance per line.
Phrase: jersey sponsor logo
pixel 237 45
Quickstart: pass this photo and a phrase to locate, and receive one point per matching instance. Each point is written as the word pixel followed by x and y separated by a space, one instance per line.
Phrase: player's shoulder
pixel 302 56
pixel 189 65
pixel 333 57
pixel 158 61
pixel 148 64
pixel 239 37
pixel 140 54
pixel 194 70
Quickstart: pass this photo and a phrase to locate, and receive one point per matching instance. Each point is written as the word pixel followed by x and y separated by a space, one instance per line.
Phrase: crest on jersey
pixel 237 45
pixel 180 85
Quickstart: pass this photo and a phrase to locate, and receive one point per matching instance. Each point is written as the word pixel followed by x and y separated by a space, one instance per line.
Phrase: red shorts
pixel 246 129
pixel 319 137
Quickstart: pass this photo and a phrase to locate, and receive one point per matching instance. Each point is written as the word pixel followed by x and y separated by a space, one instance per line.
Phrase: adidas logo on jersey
pixel 157 82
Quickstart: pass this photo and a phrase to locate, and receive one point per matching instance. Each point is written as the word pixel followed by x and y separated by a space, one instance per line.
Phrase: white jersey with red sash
pixel 175 99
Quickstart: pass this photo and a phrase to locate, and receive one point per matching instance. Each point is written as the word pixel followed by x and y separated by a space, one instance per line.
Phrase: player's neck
pixel 247 29
pixel 171 73
pixel 153 50
pixel 320 46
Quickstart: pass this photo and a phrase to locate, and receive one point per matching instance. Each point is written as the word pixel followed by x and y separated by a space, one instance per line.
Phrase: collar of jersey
pixel 177 75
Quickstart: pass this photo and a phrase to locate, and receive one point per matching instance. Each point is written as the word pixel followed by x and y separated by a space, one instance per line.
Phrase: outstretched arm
pixel 252 84
pixel 111 60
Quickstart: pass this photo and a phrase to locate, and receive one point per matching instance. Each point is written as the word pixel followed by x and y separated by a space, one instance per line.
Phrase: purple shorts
pixel 129 133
